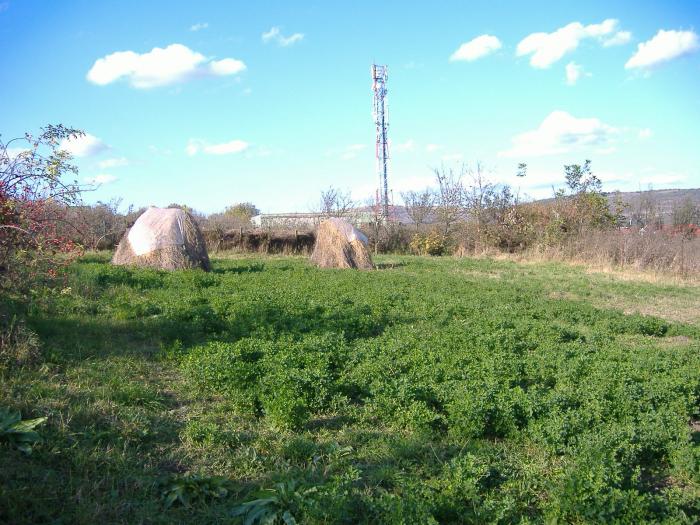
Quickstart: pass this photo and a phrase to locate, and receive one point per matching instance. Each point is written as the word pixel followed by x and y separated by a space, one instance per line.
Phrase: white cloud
pixel 618 39
pixel 665 46
pixel 452 157
pixel 102 178
pixel 199 26
pixel 159 67
pixel 645 133
pixel 574 72
pixel 112 163
pixel 352 151
pixel 665 178
pixel 261 152
pixel 478 47
pixel 547 48
pixel 561 132
pixel 83 146
pixel 195 146
pixel 403 147
pixel 432 148
pixel 226 66
pixel 275 35
pixel 13 153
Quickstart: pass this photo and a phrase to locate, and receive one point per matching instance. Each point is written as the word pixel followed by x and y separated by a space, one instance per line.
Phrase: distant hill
pixel 661 202
pixel 664 201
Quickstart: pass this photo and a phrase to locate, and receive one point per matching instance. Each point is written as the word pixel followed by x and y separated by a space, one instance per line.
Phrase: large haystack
pixel 340 245
pixel 165 238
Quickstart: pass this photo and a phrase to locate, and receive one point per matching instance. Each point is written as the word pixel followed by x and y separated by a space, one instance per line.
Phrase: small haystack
pixel 165 238
pixel 340 245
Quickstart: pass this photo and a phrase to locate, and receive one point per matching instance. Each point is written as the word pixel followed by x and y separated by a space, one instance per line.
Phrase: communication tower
pixel 381 120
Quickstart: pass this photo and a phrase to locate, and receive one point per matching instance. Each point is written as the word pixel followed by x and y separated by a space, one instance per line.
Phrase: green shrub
pixel 432 243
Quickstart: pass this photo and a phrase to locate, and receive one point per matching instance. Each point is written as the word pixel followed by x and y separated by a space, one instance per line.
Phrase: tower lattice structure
pixel 381 120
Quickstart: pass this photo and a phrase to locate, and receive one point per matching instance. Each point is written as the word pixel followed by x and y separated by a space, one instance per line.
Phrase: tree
pixel 479 196
pixel 584 205
pixel 522 170
pixel 686 218
pixel 450 197
pixel 335 203
pixel 419 205
pixel 647 211
pixel 687 213
pixel 101 225
pixel 243 211
pixel 34 197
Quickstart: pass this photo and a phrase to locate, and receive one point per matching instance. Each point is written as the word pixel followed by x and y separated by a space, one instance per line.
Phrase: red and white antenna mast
pixel 381 120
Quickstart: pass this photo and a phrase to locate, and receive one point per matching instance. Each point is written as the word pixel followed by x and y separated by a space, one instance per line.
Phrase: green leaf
pixel 28 424
pixel 170 499
pixel 288 518
pixel 258 515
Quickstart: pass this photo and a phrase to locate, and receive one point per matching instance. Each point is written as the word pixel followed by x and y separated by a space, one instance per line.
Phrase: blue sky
pixel 213 103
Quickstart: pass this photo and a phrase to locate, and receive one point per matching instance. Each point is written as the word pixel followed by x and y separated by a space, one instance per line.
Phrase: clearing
pixel 433 390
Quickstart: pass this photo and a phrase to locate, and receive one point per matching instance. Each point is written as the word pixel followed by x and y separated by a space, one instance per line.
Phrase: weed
pixel 17 432
pixel 191 489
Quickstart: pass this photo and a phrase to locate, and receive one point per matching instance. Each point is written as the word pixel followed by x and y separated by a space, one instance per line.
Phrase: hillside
pixel 663 201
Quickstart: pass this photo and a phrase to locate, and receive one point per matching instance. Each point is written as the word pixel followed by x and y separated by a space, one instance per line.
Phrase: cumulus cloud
pixel 13 153
pixel 618 39
pixel 665 46
pixel 559 133
pixel 574 72
pixel 195 146
pixel 432 148
pixel 112 163
pixel 83 146
pixel 199 26
pixel 547 48
pixel 275 35
pixel 159 67
pixel 478 47
pixel 645 133
pixel 102 178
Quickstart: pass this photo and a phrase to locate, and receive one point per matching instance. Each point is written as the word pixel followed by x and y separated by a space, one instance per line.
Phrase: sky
pixel 217 102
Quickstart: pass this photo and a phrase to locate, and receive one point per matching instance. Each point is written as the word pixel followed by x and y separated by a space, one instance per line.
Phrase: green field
pixel 432 390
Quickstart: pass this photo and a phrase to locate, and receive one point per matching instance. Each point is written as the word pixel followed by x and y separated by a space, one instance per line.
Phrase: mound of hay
pixel 340 245
pixel 165 238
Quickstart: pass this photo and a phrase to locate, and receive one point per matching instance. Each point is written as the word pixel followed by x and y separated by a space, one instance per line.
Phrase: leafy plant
pixel 17 432
pixel 193 488
pixel 283 502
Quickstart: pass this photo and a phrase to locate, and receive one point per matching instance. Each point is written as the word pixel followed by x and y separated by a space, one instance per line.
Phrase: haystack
pixel 165 238
pixel 340 245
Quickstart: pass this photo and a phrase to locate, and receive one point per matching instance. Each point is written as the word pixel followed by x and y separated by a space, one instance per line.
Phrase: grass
pixel 433 390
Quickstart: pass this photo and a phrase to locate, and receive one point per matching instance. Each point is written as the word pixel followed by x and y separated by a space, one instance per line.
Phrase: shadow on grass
pixel 76 338
pixel 389 265
pixel 249 268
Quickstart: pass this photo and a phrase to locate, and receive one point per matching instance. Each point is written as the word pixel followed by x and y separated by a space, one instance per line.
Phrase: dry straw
pixel 340 245
pixel 180 244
